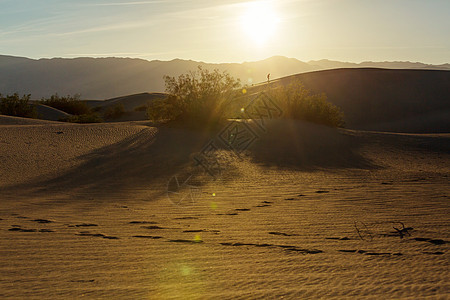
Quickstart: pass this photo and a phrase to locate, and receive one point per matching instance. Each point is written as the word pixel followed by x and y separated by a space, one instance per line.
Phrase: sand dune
pixel 130 102
pixel 50 113
pixel 10 120
pixel 410 101
pixel 381 99
pixel 308 212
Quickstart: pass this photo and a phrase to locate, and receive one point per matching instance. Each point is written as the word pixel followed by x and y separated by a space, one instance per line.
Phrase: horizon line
pixel 124 56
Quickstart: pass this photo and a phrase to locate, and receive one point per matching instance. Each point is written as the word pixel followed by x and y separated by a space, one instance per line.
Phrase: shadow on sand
pixel 148 159
pixel 290 144
pixel 145 160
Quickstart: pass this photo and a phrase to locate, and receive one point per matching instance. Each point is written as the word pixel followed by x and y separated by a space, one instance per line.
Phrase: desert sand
pixel 308 212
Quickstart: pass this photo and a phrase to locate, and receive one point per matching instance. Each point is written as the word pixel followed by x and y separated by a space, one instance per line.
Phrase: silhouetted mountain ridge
pixel 102 78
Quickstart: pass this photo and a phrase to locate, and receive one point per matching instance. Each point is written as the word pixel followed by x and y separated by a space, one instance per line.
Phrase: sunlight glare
pixel 259 21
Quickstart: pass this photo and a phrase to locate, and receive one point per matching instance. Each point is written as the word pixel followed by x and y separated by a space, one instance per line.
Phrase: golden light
pixel 259 21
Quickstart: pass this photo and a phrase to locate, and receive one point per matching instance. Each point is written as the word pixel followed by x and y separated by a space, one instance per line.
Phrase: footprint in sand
pixel 352 251
pixel 153 227
pixel 202 230
pixel 186 218
pixel 186 241
pixel 237 244
pixel 83 280
pixel 17 228
pixel 143 222
pixel 87 233
pixel 304 251
pixel 432 241
pixel 148 237
pixel 338 238
pixel 383 253
pixel 370 253
pixel 287 248
pixel 437 242
pixel 282 233
pixel 86 225
pixel 42 221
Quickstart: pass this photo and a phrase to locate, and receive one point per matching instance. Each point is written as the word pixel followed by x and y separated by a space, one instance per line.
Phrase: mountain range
pixel 103 78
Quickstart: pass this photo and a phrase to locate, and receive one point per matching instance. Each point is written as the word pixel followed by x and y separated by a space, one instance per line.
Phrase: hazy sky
pixel 228 31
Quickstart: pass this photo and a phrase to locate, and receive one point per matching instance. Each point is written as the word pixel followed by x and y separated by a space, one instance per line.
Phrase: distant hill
pixel 103 78
pixel 330 64
pixel 129 102
pixel 383 99
pixel 132 105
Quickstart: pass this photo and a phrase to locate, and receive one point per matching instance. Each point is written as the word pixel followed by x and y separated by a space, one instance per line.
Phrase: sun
pixel 259 21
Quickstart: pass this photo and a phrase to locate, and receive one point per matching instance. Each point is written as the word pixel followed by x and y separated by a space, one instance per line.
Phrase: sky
pixel 228 31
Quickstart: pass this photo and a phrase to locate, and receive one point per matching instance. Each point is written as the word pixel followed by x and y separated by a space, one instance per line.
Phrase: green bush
pixel 197 98
pixel 69 104
pixel 86 118
pixel 296 102
pixel 114 112
pixel 13 105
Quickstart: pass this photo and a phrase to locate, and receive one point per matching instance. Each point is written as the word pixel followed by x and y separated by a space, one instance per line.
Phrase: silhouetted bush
pixel 296 102
pixel 114 112
pixel 96 109
pixel 13 105
pixel 203 98
pixel 141 108
pixel 86 118
pixel 69 104
pixel 197 98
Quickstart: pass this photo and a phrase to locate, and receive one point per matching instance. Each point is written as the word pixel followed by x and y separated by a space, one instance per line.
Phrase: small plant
pixel 114 112
pixel 13 105
pixel 296 102
pixel 69 104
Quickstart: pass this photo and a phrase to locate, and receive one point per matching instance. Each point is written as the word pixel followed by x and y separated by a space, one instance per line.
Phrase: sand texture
pixel 307 212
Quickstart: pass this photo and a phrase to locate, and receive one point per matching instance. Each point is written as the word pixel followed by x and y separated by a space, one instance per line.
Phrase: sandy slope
pixel 93 219
pixel 380 99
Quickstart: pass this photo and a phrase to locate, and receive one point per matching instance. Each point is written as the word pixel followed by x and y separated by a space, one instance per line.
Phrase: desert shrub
pixel 13 105
pixel 85 118
pixel 164 109
pixel 296 102
pixel 141 108
pixel 114 112
pixel 196 98
pixel 96 109
pixel 69 104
